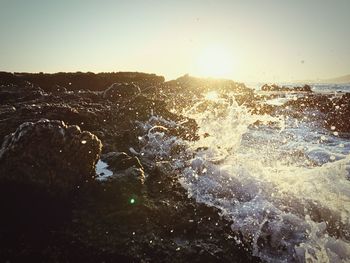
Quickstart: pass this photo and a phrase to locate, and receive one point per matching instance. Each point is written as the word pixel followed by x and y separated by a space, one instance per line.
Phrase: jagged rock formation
pixel 141 212
pixel 79 80
pixel 118 90
pixel 274 87
pixel 43 223
pixel 49 154
pixel 338 117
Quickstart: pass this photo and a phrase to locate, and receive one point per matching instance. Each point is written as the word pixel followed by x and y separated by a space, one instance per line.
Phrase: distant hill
pixel 338 80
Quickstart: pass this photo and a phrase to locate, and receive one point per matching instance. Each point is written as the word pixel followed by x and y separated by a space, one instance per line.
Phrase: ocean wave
pixel 284 185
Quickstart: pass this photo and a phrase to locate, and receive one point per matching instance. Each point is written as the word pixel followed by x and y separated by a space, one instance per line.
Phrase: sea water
pixel 283 182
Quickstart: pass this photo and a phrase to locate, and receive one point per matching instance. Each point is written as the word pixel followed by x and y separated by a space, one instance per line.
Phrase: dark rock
pixel 160 222
pixel 274 87
pixel 335 111
pixel 59 89
pixel 120 161
pixel 79 80
pixel 130 181
pixel 112 220
pixel 314 101
pixel 42 165
pixel 94 96
pixel 305 88
pixel 49 154
pixel 186 90
pixel 338 116
pixel 117 90
pixel 261 108
pixel 129 176
pixel 18 93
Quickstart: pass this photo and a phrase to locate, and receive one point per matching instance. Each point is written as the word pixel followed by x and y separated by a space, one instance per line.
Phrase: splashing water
pixel 285 189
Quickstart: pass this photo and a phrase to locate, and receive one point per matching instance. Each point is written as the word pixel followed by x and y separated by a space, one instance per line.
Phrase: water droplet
pixel 83 142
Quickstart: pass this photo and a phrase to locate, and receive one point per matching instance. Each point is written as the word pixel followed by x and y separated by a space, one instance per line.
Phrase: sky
pixel 250 40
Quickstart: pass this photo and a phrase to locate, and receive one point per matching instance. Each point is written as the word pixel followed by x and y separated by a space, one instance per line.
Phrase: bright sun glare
pixel 214 61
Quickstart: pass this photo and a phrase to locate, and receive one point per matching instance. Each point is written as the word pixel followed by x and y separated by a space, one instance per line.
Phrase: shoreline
pixel 99 220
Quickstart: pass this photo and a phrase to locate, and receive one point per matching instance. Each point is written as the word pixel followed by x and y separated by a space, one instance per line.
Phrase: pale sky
pixel 250 40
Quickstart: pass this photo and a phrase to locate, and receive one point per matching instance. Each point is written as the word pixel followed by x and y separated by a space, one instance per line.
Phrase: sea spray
pixel 259 172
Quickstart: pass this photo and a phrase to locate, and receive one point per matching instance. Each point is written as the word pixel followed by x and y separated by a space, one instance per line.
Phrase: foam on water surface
pixel 288 198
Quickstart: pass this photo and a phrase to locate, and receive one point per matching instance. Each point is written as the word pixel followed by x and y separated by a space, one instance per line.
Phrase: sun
pixel 214 61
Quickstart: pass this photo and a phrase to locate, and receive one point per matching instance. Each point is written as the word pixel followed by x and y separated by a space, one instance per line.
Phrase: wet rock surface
pixel 118 90
pixel 335 111
pixel 339 114
pixel 274 87
pixel 79 80
pixel 42 165
pixel 49 154
pixel 52 208
pixel 120 161
pixel 332 111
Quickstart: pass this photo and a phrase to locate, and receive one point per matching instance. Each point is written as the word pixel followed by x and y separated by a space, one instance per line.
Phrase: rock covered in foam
pixel 51 154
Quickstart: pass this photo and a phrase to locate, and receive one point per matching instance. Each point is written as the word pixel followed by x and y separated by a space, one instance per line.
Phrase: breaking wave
pixel 283 183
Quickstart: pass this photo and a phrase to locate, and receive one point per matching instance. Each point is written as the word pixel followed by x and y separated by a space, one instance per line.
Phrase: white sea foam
pixel 102 171
pixel 287 198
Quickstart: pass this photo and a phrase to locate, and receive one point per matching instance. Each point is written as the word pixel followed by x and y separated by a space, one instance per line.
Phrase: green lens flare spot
pixel 132 201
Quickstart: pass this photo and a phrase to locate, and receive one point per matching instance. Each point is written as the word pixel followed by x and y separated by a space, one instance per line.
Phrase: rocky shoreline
pixel 55 127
